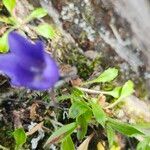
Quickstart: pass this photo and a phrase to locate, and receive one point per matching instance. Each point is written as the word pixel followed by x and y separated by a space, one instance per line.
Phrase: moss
pixel 6 137
pixel 84 66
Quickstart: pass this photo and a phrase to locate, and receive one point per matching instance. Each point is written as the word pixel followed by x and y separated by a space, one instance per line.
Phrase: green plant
pixel 20 138
pixel 87 110
pixel 13 23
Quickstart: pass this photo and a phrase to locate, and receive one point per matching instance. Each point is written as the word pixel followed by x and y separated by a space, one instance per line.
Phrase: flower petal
pixel 8 64
pixel 23 77
pixel 30 54
pixel 49 77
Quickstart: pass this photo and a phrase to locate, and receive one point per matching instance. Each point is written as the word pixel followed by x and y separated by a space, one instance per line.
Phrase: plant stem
pixel 92 91
pixel 113 104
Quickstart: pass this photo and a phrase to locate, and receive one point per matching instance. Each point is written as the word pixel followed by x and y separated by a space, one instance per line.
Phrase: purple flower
pixel 28 65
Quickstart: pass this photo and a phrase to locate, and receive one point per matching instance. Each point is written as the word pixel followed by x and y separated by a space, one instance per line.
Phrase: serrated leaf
pixel 9 4
pixel 37 13
pixel 67 144
pixel 127 89
pixel 107 76
pixel 99 114
pixel 82 127
pixel 20 137
pixel 60 134
pixel 124 128
pixel 77 109
pixel 4 43
pixel 46 31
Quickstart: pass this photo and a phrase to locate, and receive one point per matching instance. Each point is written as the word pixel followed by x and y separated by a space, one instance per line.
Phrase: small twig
pixel 92 91
pixel 100 92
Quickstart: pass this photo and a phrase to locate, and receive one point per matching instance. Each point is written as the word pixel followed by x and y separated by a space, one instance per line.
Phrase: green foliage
pixel 9 4
pixel 36 14
pixel 3 43
pixel 7 20
pixel 115 92
pixel 107 76
pixel 82 126
pixel 99 114
pixel 46 31
pixel 87 110
pixel 67 144
pixel 127 89
pixel 77 109
pixel 61 133
pixel 124 128
pixel 144 145
pixel 110 135
pixel 20 138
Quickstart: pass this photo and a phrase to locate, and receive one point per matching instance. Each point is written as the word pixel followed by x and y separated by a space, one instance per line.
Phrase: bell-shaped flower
pixel 28 65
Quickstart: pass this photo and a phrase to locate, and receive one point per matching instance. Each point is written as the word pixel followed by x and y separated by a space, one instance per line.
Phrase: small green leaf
pixel 37 13
pixel 127 89
pixel 115 92
pixel 77 109
pixel 124 128
pixel 110 135
pixel 7 20
pixel 46 31
pixel 4 43
pixel 88 115
pixel 60 134
pixel 9 4
pixel 82 127
pixel 107 76
pixel 144 145
pixel 20 137
pixel 99 114
pixel 67 144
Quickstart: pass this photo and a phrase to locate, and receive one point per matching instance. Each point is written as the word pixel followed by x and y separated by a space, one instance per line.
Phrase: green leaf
pixel 67 144
pixel 127 89
pixel 37 13
pixel 82 127
pixel 63 97
pixel 99 114
pixel 46 31
pixel 60 134
pixel 20 137
pixel 124 128
pixel 107 76
pixel 9 4
pixel 4 43
pixel 144 145
pixel 110 135
pixel 115 92
pixel 77 109
pixel 7 20
pixel 88 115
